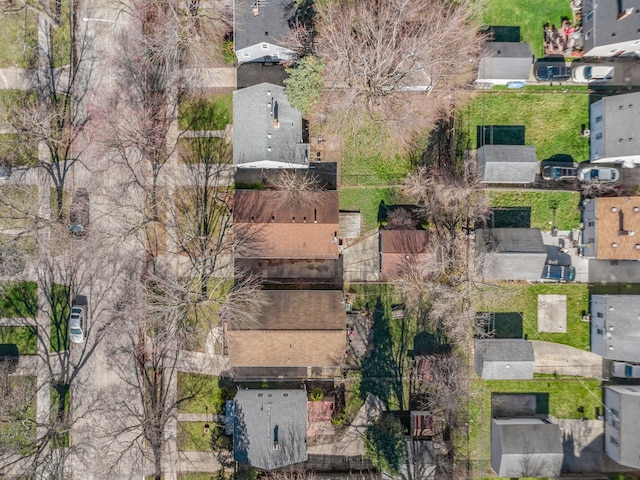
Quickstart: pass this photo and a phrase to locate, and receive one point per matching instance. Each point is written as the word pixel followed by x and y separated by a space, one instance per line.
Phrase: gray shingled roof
pixel 604 25
pixel 270 428
pixel 629 411
pixel 256 138
pixel 505 61
pixel 526 448
pixel 620 128
pixel 622 326
pixel 511 253
pixel 505 349
pixel 507 163
pixel 271 25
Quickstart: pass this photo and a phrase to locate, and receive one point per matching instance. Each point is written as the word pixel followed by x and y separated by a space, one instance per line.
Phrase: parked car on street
pixel 592 73
pixel 559 173
pixel 550 72
pixel 625 370
pixel 76 324
pixel 599 174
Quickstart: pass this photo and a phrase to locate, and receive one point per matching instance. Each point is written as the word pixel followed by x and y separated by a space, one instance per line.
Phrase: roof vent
pixel 637 246
pixel 636 209
pixel 614 209
pixel 614 245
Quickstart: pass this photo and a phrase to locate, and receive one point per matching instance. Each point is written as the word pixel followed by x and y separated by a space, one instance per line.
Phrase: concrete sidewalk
pixel 224 77
pixel 555 358
pixel 18 79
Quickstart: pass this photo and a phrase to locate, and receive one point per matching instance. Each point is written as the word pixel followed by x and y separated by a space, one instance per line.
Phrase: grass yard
pixel 553 122
pixel 367 159
pixel 18 423
pixel 60 405
pixel 61 38
pixel 192 437
pixel 18 300
pixel 529 15
pixel 199 476
pixel 204 150
pixel 206 113
pixel 202 392
pixel 59 303
pixel 367 201
pixel 18 150
pixel 18 206
pixel 19 39
pixel 566 394
pixel 524 298
pixel 547 208
pixel 384 368
pixel 23 337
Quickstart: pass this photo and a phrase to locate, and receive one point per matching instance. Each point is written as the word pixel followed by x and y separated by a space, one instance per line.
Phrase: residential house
pixel 269 427
pixel 260 30
pixel 504 359
pixel 504 62
pixel 622 422
pixel 502 164
pixel 298 334
pixel 525 447
pixel 614 134
pixel 610 225
pixel 611 29
pixel 267 130
pixel 400 249
pixel 287 231
pixel 615 327
pixel 511 253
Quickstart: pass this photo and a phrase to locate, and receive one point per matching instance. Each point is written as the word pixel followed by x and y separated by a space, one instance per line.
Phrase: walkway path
pixel 555 358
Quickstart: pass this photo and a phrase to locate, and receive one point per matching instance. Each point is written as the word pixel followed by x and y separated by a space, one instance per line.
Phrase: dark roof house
pixel 611 29
pixel 297 331
pixel 614 136
pixel 615 327
pixel 511 253
pixel 507 163
pixel 260 29
pixel 526 447
pixel 400 249
pixel 267 130
pixel 303 231
pixel 269 427
pixel 504 62
pixel 504 359
pixel 622 422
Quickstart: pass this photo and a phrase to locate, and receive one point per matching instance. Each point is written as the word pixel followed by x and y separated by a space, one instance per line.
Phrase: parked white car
pixel 76 324
pixel 599 174
pixel 625 370
pixel 592 73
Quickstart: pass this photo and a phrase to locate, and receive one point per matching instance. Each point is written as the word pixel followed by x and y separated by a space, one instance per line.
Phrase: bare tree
pixel 392 62
pixel 297 187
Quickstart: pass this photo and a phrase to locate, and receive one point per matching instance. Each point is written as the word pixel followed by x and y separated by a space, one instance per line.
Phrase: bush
pixel 316 394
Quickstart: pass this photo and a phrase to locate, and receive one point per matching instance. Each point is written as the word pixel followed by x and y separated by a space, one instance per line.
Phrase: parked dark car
pixel 559 173
pixel 560 273
pixel 550 72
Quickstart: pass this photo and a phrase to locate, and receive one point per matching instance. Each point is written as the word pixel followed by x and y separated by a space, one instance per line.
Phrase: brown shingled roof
pixel 287 232
pixel 401 248
pixel 618 223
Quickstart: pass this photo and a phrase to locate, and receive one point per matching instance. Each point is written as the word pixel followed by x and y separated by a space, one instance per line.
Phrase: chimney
pixel 274 114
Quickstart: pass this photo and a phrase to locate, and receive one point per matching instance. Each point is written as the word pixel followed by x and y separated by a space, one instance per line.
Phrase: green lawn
pixel 59 303
pixel 23 337
pixel 19 39
pixel 18 423
pixel 60 405
pixel 202 392
pixel 206 113
pixel 18 205
pixel 199 475
pixel 367 159
pixel 18 149
pixel 61 38
pixel 529 15
pixel 547 208
pixel 18 300
pixel 192 437
pixel 566 394
pixel 524 298
pixel 553 121
pixel 367 200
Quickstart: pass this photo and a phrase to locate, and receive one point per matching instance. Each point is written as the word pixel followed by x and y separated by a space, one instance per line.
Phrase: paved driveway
pixel 555 358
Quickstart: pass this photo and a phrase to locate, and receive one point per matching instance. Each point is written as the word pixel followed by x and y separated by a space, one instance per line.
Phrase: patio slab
pixel 552 313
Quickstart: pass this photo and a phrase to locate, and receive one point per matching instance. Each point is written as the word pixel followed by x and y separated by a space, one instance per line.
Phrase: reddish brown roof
pixel 616 217
pixel 401 248
pixel 287 232
pixel 263 206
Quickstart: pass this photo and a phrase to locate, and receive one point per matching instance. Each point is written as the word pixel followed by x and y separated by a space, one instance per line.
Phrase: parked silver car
pixel 76 324
pixel 592 74
pixel 625 370
pixel 599 174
